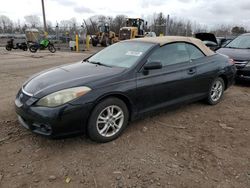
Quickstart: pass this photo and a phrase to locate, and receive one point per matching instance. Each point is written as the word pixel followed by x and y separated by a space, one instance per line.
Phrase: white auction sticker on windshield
pixel 134 53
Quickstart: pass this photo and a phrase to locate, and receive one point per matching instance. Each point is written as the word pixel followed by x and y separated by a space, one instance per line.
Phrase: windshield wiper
pixel 97 63
pixel 237 48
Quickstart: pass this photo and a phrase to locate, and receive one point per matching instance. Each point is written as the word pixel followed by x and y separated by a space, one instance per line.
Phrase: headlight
pixel 248 64
pixel 63 96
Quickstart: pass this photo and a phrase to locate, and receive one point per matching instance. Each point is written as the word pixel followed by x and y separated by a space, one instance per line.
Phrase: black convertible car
pixel 120 83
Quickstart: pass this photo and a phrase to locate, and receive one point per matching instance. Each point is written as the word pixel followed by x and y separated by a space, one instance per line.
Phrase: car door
pixel 206 67
pixel 168 85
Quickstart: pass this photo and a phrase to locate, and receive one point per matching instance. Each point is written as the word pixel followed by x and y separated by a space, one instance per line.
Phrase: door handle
pixel 191 71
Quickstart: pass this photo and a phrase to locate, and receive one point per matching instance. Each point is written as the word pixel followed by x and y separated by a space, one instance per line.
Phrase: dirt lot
pixel 193 146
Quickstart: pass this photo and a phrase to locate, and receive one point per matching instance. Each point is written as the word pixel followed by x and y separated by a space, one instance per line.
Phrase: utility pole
pixel 44 18
pixel 167 26
pixel 57 31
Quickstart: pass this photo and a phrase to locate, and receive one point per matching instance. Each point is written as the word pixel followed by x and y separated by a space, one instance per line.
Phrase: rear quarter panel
pixel 208 69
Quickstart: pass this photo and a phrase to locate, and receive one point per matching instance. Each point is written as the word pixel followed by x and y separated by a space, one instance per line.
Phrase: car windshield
pixel 122 54
pixel 242 42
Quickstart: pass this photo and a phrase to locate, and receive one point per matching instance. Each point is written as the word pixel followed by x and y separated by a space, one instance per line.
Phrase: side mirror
pixel 153 65
pixel 146 23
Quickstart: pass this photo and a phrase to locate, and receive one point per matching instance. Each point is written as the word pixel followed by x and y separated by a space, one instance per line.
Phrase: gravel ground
pixel 191 146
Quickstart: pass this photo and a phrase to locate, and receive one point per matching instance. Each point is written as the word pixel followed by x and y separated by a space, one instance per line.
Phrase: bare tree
pixel 118 22
pixel 199 28
pixel 102 19
pixel 160 23
pixel 222 30
pixel 65 25
pixel 49 27
pixel 156 22
pixel 179 27
pixel 32 20
pixel 6 24
pixel 73 25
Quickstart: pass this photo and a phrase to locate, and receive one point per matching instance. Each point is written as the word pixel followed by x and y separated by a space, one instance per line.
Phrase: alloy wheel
pixel 110 121
pixel 216 91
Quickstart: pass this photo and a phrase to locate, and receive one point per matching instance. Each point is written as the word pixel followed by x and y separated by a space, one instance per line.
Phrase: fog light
pixel 45 128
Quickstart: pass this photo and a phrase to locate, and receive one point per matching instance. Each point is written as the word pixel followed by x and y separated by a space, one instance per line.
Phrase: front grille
pixel 240 64
pixel 22 97
pixel 124 34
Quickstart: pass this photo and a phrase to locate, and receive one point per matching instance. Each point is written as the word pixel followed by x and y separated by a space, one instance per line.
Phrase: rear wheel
pixel 108 120
pixel 33 48
pixel 110 41
pixel 105 41
pixel 51 48
pixel 25 48
pixel 216 91
pixel 7 47
pixel 94 42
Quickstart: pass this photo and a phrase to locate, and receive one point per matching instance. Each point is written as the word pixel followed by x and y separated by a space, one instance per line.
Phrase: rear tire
pixel 25 48
pixel 105 42
pixel 216 91
pixel 108 120
pixel 110 41
pixel 94 42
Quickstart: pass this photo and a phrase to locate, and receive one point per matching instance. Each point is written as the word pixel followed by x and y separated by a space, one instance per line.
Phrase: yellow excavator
pixel 134 29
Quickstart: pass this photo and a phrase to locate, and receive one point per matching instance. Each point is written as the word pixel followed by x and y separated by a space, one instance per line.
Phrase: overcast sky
pixel 208 12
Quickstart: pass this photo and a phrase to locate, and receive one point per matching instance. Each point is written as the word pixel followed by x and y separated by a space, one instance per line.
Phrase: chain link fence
pixel 59 36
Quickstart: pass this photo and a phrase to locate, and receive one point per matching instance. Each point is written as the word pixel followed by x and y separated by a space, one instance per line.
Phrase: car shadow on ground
pixel 243 83
pixel 135 126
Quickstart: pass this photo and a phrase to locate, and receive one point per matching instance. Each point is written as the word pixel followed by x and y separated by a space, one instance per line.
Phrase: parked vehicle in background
pixel 239 50
pixel 32 35
pixel 104 36
pixel 45 43
pixel 10 45
pixel 135 28
pixel 120 83
pixel 209 40
pixel 150 34
pixel 223 41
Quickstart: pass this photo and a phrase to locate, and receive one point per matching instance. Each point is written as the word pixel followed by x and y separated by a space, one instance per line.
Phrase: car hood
pixel 236 54
pixel 206 37
pixel 63 77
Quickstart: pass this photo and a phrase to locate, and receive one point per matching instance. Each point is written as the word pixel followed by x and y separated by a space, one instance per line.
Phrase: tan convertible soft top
pixel 169 39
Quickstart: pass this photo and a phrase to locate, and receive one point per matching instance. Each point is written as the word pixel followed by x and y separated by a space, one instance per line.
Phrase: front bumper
pixel 243 74
pixel 54 122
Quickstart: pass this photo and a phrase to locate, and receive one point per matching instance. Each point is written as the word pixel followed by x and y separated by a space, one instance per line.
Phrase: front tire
pixel 108 120
pixel 216 91
pixel 51 48
pixel 25 48
pixel 8 48
pixel 33 48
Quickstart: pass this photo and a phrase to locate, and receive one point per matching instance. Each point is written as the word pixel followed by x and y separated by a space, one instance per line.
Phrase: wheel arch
pixel 120 96
pixel 224 77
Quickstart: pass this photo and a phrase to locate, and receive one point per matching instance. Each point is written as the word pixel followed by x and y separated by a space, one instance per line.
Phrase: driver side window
pixel 170 54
